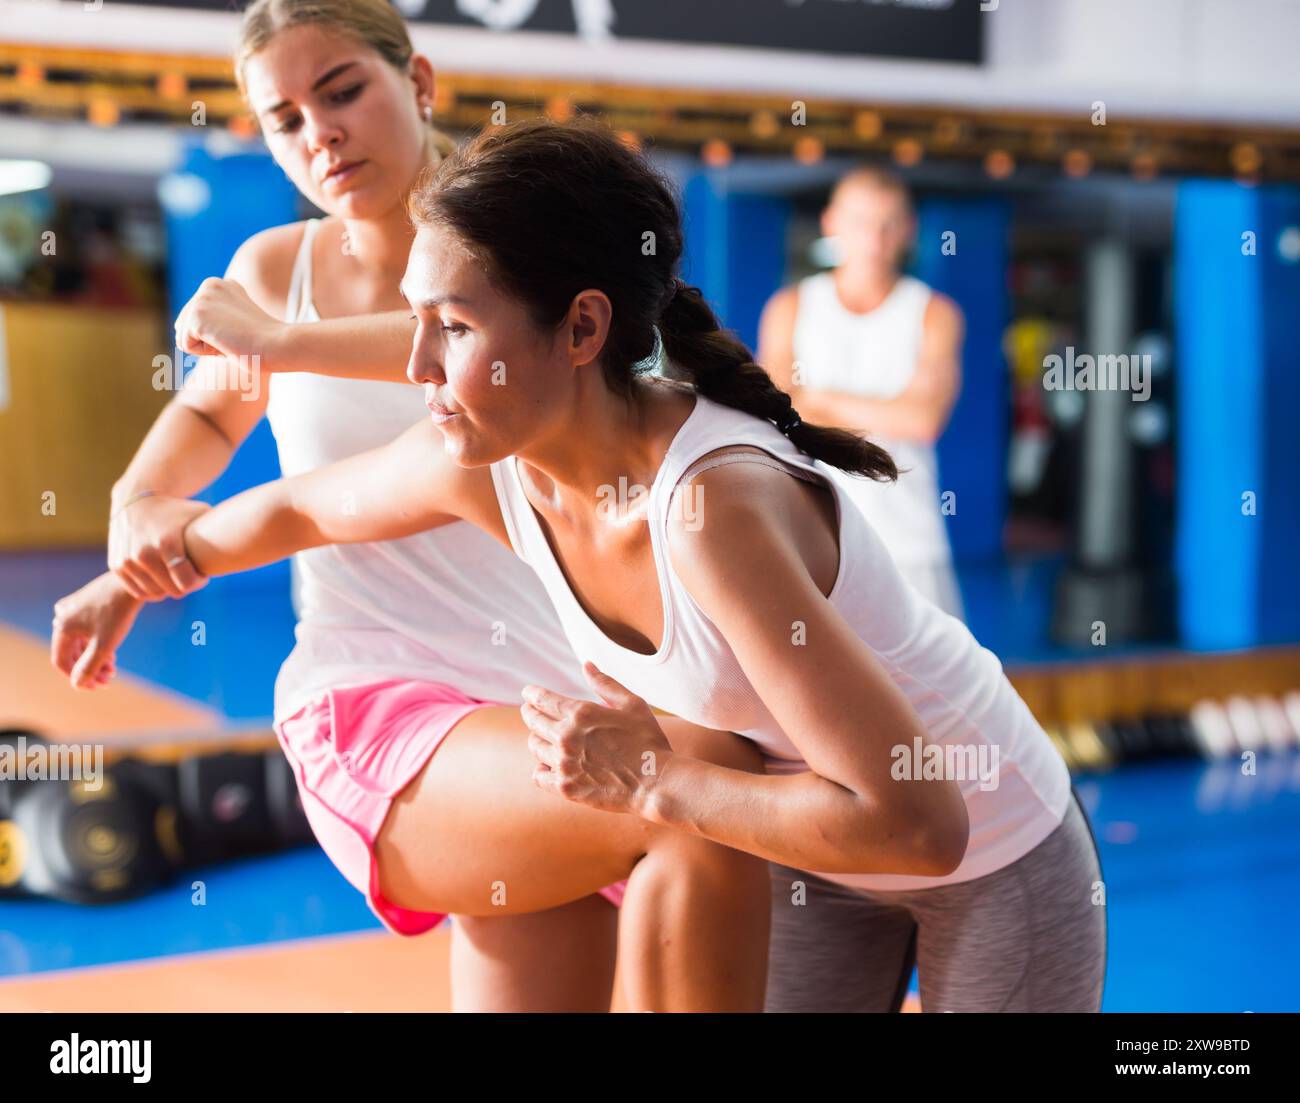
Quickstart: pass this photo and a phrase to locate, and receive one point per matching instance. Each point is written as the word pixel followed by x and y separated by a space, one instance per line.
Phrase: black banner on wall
pixel 934 30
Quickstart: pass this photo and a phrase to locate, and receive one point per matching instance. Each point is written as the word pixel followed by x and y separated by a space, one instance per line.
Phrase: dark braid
pixel 554 209
pixel 722 368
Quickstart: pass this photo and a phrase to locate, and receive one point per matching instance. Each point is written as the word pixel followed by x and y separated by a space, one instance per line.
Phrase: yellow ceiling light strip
pixel 1002 143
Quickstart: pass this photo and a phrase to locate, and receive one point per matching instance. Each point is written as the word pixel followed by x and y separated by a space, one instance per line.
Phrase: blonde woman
pixel 416 645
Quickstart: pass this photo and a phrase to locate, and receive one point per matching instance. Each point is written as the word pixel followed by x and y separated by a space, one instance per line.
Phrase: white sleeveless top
pixel 956 686
pixel 448 605
pixel 873 355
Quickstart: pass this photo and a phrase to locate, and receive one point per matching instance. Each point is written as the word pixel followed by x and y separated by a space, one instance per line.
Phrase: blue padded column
pixel 735 249
pixel 973 450
pixel 1238 381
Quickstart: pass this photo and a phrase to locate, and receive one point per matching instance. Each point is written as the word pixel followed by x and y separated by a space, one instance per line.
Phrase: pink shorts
pixel 352 751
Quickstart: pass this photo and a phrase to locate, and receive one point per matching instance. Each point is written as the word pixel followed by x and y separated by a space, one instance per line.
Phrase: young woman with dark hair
pixel 701 549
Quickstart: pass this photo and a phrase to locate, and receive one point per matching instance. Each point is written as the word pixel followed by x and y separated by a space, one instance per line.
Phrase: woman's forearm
pixel 192 441
pixel 252 529
pixel 373 346
pixel 182 453
pixel 389 492
pixel 801 820
pixel 900 418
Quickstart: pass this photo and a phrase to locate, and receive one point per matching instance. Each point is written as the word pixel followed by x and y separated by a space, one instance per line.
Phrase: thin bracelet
pixel 132 500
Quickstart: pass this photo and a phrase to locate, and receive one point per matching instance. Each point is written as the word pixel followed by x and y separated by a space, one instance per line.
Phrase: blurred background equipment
pixel 115 833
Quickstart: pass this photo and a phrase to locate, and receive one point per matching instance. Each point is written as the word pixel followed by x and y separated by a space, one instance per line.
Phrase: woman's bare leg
pixel 670 891
pixel 561 959
pixel 472 835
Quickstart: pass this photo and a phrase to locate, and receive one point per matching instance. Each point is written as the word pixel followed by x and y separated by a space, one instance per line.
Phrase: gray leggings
pixel 1027 937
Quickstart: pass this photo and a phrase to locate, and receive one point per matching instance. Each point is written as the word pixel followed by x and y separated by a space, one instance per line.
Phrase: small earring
pixel 428 113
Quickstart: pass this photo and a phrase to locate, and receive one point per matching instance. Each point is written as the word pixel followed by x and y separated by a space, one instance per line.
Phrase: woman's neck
pixel 610 447
pixel 380 245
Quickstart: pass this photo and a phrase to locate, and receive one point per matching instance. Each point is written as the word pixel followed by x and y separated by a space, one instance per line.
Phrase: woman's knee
pixel 679 852
pixel 678 862
pixel 722 748
pixel 486 933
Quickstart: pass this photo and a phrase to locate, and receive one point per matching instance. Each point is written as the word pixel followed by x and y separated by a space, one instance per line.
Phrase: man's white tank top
pixel 449 605
pixel 1014 800
pixel 874 355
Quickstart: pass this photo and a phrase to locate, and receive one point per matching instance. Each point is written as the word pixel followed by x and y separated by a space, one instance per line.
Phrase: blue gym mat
pixel 1201 862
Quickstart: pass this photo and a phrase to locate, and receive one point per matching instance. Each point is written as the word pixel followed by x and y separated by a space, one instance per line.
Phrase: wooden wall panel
pixel 75 403
pixel 1130 688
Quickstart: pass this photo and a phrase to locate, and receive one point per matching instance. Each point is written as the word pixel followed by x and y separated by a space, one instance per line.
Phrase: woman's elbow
pixel 930 832
pixel 943 846
pixel 925 837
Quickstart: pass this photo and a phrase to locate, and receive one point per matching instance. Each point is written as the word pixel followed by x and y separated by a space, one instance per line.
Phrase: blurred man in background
pixel 867 348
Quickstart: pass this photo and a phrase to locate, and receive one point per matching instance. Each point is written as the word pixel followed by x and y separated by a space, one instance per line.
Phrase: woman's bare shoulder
pixel 263 264
pixel 739 513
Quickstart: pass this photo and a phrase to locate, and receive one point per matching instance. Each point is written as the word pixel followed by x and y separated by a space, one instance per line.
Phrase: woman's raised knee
pixel 722 748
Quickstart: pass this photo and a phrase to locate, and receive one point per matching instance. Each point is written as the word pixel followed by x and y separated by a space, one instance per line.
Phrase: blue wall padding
pixel 1238 400
pixel 973 449
pixel 1279 546
pixel 735 250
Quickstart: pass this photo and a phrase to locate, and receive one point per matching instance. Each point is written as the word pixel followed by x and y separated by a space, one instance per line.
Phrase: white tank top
pixel 874 355
pixel 449 605
pixel 956 686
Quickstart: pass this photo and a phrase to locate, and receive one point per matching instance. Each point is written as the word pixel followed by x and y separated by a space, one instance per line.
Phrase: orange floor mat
pixel 35 695
pixel 373 971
